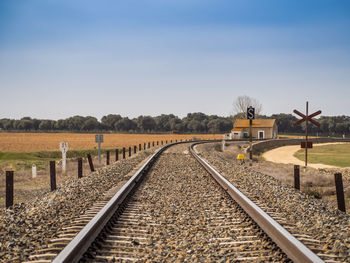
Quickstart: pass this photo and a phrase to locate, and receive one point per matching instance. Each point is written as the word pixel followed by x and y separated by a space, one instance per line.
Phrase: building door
pixel 261 134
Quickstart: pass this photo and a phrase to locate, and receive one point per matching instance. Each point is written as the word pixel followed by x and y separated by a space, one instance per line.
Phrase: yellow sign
pixel 240 156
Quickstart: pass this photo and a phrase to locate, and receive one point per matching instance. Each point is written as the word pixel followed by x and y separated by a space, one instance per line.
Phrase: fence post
pixel 116 154
pixel 152 144
pixel 123 152
pixel 107 161
pixel 166 142
pixel 135 149
pixel 140 147
pixel 162 142
pixel 157 143
pixel 53 175
pixel 92 169
pixel 176 140
pixel 9 189
pixel 340 191
pixel 171 141
pixel 129 151
pixel 149 145
pixel 297 177
pixel 144 146
pixel 80 167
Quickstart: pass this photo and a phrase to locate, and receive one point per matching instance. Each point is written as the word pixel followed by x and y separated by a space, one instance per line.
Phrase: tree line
pixel 193 123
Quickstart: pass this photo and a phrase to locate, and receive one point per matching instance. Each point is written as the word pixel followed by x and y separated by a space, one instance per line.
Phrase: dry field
pixel 30 142
pixel 17 143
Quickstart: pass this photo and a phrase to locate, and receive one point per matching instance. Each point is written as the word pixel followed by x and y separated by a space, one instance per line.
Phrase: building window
pixel 261 134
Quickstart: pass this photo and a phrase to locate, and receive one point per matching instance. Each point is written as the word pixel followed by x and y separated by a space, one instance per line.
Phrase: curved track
pixel 172 209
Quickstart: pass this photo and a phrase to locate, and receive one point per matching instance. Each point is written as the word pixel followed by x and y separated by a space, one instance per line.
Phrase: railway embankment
pixel 302 213
pixel 29 226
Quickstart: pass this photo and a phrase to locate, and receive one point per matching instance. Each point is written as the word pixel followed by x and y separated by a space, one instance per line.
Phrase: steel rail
pixel 82 241
pixel 293 248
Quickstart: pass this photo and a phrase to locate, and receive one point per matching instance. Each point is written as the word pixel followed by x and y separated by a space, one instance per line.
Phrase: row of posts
pixel 9 174
pixel 338 187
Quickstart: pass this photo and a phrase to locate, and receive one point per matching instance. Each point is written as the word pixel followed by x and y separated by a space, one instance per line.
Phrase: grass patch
pixel 24 160
pixel 333 154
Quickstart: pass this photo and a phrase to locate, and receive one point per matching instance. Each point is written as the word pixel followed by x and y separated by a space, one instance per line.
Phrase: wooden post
pixel 135 149
pixel 140 147
pixel 92 169
pixel 129 151
pixel 149 145
pixel 340 191
pixel 297 177
pixel 123 152
pixel 157 143
pixel 80 167
pixel 53 175
pixel 107 161
pixel 162 142
pixel 116 154
pixel 152 144
pixel 166 142
pixel 144 146
pixel 9 189
pixel 171 141
pixel 176 140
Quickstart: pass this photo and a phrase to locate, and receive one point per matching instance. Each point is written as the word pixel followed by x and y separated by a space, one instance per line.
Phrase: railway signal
pixel 250 117
pixel 306 118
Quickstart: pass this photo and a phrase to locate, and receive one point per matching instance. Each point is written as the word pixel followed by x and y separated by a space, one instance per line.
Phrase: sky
pixel 60 58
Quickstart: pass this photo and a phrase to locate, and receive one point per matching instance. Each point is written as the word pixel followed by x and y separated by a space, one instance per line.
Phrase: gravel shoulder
pixel 315 217
pixel 29 226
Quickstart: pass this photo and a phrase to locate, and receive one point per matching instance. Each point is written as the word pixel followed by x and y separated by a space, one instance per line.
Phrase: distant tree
pixel 195 126
pixel 146 123
pixel 125 125
pixel 75 123
pixel 47 125
pixel 110 120
pixel 163 122
pixel 61 125
pixel 90 124
pixel 219 125
pixel 241 104
pixel 25 124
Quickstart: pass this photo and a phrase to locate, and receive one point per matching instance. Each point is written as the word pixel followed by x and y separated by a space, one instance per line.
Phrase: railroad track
pixel 172 209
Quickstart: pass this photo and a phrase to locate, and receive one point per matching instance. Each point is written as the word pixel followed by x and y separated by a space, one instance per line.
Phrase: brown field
pixel 29 142
pixel 27 188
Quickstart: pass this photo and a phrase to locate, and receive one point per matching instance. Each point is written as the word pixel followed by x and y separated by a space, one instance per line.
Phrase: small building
pixel 261 129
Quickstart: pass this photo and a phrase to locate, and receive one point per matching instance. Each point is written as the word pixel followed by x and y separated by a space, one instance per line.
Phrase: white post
pixel 64 149
pixel 33 171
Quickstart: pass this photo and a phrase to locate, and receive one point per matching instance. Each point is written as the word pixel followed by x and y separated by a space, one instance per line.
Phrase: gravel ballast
pixel 28 227
pixel 314 217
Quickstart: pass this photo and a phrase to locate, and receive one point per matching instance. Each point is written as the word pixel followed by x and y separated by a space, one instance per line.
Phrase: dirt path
pixel 285 155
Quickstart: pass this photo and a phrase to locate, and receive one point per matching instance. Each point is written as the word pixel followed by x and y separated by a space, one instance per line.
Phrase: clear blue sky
pixel 60 58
